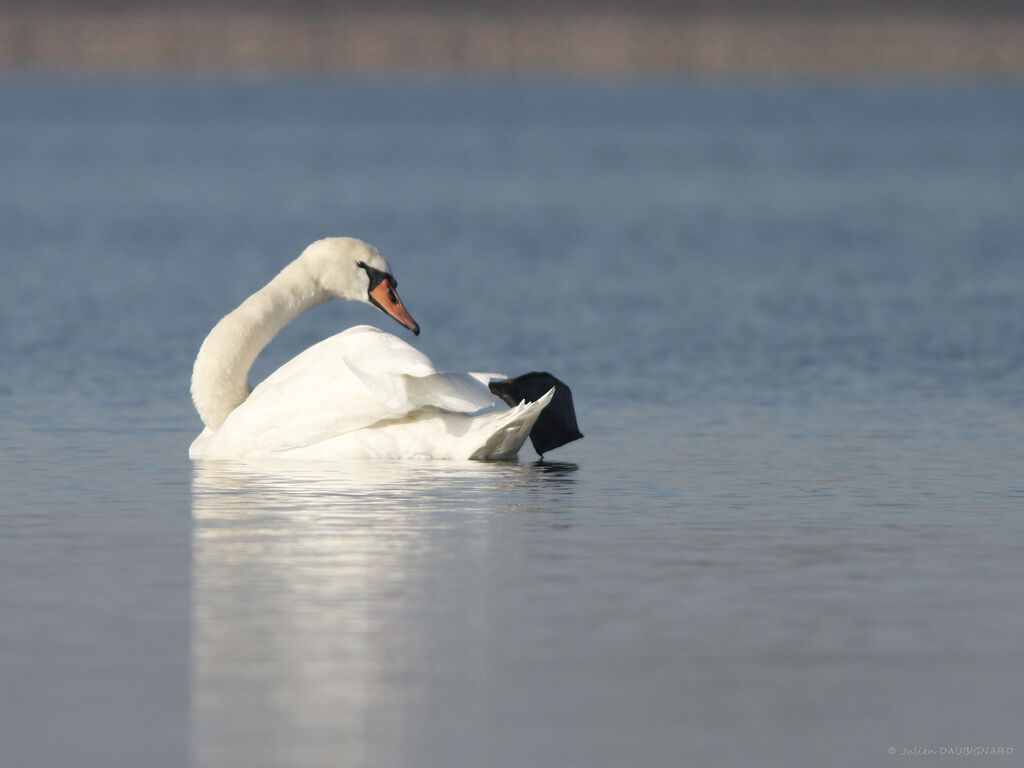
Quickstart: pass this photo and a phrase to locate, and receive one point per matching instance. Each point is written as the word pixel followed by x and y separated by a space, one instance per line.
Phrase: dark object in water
pixel 556 424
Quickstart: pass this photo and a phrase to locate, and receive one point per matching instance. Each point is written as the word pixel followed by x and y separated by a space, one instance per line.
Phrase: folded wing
pixel 347 382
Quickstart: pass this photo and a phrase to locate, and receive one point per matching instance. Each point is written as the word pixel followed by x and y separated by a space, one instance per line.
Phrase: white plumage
pixel 360 393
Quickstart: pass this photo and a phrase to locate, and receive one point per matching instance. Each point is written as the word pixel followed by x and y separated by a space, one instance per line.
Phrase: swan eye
pixel 376 277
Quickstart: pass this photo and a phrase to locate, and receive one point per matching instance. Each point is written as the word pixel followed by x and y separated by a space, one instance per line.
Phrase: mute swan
pixel 362 392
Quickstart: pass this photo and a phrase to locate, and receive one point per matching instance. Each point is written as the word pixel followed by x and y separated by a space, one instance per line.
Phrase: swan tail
pixel 507 433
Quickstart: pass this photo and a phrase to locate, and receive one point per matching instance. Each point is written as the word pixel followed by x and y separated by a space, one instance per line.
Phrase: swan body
pixel 359 393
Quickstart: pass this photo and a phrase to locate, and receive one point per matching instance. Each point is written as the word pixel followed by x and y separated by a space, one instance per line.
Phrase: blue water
pixel 793 320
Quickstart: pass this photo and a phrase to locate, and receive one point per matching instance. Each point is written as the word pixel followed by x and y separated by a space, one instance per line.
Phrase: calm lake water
pixel 793 320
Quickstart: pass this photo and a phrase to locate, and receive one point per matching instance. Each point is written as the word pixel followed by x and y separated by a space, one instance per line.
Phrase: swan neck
pixel 220 375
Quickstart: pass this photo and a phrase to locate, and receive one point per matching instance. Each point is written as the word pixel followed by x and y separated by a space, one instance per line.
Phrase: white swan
pixel 360 393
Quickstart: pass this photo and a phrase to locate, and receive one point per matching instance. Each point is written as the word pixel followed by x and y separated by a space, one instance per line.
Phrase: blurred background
pixel 778 37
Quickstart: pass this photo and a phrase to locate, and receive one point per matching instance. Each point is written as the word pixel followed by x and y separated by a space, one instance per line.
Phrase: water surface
pixel 792 319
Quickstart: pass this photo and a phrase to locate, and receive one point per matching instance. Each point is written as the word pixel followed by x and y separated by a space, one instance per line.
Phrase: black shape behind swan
pixel 556 424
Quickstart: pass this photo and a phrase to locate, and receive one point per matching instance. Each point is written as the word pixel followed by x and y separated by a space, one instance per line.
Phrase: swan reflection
pixel 310 586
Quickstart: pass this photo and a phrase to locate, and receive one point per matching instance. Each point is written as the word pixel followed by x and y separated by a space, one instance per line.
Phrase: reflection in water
pixel 307 581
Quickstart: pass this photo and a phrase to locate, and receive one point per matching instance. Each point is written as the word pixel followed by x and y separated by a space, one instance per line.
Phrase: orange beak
pixel 385 297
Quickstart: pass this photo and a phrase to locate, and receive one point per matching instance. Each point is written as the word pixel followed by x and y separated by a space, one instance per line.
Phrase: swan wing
pixel 403 378
pixel 353 380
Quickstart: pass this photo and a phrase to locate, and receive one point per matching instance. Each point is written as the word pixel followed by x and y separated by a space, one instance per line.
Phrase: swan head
pixel 346 268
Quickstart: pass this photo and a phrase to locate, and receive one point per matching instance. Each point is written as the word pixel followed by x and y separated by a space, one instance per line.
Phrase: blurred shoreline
pixel 574 43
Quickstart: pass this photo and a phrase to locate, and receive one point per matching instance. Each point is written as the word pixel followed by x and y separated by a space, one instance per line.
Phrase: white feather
pixel 360 393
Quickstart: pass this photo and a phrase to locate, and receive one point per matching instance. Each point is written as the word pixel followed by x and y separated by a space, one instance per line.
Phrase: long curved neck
pixel 220 375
